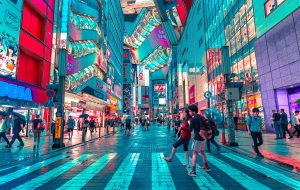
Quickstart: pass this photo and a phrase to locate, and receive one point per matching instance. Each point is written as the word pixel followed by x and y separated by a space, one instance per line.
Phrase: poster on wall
pixel 10 19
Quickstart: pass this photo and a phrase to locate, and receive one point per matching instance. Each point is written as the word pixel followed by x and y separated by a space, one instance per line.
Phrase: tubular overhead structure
pixel 78 79
pixel 157 59
pixel 144 26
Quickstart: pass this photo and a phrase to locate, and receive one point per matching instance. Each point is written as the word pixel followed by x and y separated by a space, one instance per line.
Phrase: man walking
pixel 197 124
pixel 18 125
pixel 37 129
pixel 277 124
pixel 254 125
pixel 284 124
pixel 177 124
pixel 4 126
pixel 71 125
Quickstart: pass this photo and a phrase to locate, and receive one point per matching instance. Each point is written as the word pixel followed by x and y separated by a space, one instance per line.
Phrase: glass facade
pixel 231 23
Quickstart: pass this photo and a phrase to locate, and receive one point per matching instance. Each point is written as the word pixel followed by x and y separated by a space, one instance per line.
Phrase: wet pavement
pixel 136 162
pixel 15 153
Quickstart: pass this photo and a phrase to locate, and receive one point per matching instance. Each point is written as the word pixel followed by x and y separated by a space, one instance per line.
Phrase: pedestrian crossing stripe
pixel 124 174
pixel 29 169
pixel 203 179
pixel 81 179
pixel 3 169
pixel 161 176
pixel 42 179
pixel 268 172
pixel 242 178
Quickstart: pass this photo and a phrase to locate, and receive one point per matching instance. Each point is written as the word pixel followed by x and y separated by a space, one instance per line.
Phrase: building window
pixel 271 5
pixel 30 69
pixel 200 41
pixel 33 22
pixel 199 24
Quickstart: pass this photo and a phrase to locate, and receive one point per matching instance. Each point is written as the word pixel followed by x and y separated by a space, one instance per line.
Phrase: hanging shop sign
pixel 57 127
pixel 10 19
pixel 192 98
pixel 159 87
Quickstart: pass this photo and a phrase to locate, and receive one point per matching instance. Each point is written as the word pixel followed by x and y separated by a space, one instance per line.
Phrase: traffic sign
pixel 207 94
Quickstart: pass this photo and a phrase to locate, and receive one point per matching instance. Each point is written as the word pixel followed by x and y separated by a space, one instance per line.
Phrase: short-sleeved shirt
pixel 284 118
pixel 276 116
pixel 35 123
pixel 3 125
pixel 177 123
pixel 17 125
pixel 255 123
pixel 71 123
pixel 196 125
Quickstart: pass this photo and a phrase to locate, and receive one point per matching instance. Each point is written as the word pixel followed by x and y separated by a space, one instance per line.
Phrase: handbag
pixel 216 132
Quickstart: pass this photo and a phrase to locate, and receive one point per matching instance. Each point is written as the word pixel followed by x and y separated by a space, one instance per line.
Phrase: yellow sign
pixel 57 127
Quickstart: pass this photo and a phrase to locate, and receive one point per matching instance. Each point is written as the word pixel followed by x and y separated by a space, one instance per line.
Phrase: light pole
pixel 63 25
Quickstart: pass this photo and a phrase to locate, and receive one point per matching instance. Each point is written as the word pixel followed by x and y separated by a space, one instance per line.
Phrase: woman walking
pixel 183 140
pixel 212 139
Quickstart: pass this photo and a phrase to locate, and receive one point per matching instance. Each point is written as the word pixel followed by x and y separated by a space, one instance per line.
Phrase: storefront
pixel 25 99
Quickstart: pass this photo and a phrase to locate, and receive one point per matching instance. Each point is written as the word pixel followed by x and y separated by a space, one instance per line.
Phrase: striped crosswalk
pixel 119 172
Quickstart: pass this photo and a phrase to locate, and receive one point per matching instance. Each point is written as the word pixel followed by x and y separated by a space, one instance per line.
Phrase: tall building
pixel 113 23
pixel 277 50
pixel 25 55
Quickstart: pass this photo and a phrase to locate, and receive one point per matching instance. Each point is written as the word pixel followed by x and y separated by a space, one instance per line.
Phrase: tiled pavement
pixel 136 162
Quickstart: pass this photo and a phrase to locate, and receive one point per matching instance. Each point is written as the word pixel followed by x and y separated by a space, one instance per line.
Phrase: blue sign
pixel 15 91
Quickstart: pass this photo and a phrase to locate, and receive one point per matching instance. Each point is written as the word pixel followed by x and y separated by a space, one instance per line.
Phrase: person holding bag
pixel 202 132
pixel 215 132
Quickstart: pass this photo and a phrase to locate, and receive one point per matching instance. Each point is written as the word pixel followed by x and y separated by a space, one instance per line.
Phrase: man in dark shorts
pixel 197 124
pixel 128 125
pixel 71 125
pixel 37 129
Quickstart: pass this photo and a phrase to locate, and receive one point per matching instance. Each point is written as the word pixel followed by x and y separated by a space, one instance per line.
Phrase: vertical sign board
pixel 10 21
pixel 57 127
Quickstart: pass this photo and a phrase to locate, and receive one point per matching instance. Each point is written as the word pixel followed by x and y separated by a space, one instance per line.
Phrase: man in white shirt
pixel 297 123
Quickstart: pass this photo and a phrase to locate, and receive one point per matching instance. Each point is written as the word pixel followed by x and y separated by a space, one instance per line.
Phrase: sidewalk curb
pixel 281 165
pixel 26 158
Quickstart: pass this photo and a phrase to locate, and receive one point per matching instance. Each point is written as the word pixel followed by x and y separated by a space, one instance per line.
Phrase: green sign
pixel 207 94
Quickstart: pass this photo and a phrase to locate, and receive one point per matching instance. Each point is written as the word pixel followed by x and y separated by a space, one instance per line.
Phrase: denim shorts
pixel 184 142
pixel 197 145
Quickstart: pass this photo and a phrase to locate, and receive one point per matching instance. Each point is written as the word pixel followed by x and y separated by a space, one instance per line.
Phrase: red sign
pixel 192 98
pixel 159 87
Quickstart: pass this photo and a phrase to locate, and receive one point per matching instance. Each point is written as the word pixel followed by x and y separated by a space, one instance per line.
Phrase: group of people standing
pixel 280 123
pixel 202 129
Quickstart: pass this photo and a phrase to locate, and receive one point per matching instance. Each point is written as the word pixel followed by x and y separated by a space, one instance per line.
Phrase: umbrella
pixel 214 114
pixel 84 115
pixel 297 101
pixel 18 115
pixel 3 113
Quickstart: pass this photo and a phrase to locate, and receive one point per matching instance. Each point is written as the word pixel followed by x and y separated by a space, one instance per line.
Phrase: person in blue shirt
pixel 254 125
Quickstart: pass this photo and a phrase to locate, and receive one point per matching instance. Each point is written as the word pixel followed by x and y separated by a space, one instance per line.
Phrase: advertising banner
pixel 159 87
pixel 127 75
pixel 127 98
pixel 10 19
pixel 143 76
pixel 192 98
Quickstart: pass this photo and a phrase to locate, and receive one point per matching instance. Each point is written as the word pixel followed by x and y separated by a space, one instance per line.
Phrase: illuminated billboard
pixel 159 87
pixel 143 76
pixel 10 19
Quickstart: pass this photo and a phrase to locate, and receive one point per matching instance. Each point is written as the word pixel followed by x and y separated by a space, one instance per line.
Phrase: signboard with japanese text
pixel 10 20
pixel 143 76
pixel 57 127
pixel 159 87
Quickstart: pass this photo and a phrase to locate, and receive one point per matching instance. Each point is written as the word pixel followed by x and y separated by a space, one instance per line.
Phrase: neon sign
pixel 15 91
pixel 159 87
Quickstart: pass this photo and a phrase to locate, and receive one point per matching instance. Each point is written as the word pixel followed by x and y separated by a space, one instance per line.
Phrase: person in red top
pixel 183 140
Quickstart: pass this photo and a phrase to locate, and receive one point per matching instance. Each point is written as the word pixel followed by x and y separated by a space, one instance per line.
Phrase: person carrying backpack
pixel 202 132
pixel 38 127
pixel 254 125
pixel 215 132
